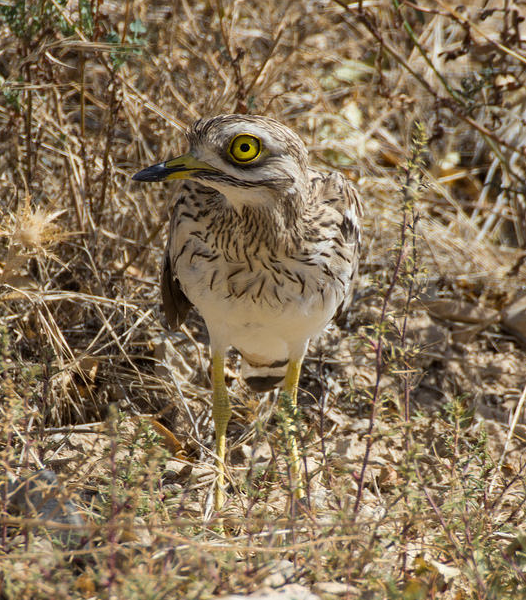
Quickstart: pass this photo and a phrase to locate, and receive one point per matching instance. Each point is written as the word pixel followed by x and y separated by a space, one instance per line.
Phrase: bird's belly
pixel 266 318
pixel 265 334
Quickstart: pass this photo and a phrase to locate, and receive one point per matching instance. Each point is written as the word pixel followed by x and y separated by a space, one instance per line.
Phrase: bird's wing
pixel 349 206
pixel 175 304
pixel 186 223
pixel 342 202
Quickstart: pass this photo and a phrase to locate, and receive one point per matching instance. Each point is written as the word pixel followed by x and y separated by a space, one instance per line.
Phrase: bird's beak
pixel 182 167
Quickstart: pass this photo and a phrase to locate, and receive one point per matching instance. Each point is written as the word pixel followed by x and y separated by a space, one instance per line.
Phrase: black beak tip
pixel 154 173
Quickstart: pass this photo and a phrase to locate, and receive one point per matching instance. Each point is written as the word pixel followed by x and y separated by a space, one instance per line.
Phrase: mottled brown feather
pixel 175 304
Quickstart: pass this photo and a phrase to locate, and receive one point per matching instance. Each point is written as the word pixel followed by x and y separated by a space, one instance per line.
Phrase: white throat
pixel 239 197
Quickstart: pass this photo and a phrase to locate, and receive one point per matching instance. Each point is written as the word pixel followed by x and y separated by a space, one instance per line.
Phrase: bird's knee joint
pixel 221 414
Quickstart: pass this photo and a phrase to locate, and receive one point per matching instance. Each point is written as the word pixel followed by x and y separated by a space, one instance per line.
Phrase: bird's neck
pixel 275 226
pixel 279 227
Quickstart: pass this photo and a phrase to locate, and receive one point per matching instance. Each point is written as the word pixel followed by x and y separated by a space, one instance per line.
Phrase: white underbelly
pixel 263 331
pixel 266 317
pixel 265 334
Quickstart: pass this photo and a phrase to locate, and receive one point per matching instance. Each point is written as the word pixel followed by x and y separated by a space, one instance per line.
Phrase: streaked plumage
pixel 264 247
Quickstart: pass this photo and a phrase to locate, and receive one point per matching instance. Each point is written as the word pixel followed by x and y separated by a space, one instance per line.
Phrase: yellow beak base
pixel 182 167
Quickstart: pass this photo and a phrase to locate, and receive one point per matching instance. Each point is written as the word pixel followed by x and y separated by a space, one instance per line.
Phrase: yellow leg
pixel 221 412
pixel 289 397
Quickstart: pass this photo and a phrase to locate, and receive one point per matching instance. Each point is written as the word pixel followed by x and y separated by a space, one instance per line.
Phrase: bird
pixel 266 248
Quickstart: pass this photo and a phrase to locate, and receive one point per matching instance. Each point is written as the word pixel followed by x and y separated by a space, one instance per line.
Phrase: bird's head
pixel 251 160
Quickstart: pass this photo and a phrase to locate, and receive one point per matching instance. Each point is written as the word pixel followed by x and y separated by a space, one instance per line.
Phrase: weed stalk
pixel 410 189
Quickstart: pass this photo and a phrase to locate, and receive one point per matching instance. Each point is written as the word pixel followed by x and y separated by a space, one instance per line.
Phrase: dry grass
pixel 413 408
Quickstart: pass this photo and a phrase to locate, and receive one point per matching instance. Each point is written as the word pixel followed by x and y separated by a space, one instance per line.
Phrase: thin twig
pixel 379 367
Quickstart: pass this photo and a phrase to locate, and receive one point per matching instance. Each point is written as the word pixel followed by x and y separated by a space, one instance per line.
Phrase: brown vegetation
pixel 412 406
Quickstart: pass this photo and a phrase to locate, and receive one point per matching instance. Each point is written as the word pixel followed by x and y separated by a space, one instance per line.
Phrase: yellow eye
pixel 244 148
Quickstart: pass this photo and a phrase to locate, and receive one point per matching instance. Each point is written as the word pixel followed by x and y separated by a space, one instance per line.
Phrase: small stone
pixel 172 489
pixel 169 357
pixel 328 590
pixel 280 573
pixel 136 533
pixel 241 454
pixel 514 319
pixel 293 591
pixel 172 470
pixel 262 453
pixel 42 496
pixel 176 471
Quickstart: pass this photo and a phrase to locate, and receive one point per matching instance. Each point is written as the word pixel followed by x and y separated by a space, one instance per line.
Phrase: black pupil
pixel 244 147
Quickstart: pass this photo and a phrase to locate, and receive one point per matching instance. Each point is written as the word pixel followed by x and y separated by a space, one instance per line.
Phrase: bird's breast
pixel 263 306
pixel 261 281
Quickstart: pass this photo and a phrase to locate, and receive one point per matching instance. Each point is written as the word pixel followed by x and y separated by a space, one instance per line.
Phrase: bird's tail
pixel 263 378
